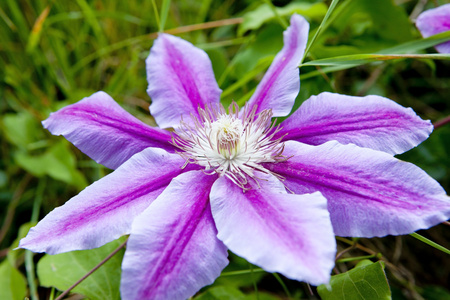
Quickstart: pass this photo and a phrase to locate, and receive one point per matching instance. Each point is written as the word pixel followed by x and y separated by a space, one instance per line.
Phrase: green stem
pixel 283 285
pixel 254 281
pixel 66 292
pixel 429 242
pixel 29 263
pixel 342 260
pixel 242 272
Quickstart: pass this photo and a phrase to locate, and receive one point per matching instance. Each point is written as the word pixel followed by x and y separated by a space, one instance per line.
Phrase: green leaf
pixel 366 281
pixel 360 59
pixel 63 270
pixel 263 13
pixel 12 283
pixel 20 129
pixel 435 293
pixel 58 162
pixel 363 26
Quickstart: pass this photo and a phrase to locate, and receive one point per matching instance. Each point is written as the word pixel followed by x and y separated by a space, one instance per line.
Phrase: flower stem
pixel 93 270
pixel 429 242
pixel 29 264
pixel 283 285
pixel 442 122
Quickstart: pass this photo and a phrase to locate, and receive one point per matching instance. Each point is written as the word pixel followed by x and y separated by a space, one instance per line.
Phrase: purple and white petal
pixel 280 232
pixel 434 21
pixel 281 83
pixel 180 80
pixel 105 210
pixel 102 129
pixel 369 192
pixel 173 250
pixel 373 122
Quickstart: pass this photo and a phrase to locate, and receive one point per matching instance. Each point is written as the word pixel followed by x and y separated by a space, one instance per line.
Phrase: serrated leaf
pixel 12 283
pixel 63 270
pixel 365 281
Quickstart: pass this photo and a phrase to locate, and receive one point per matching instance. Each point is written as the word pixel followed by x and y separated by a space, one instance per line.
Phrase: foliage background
pixel 54 53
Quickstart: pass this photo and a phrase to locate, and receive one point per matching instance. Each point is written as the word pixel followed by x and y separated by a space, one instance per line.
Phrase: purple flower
pixel 273 195
pixel 434 21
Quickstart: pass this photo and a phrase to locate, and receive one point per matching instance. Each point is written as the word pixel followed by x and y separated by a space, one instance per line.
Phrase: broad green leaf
pixel 366 281
pixel 13 285
pixel 360 59
pixel 20 129
pixel 263 13
pixel 435 293
pixel 364 27
pixel 58 162
pixel 374 19
pixel 267 43
pixel 433 155
pixel 63 270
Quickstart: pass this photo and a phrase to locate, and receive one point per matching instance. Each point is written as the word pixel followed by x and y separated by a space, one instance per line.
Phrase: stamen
pixel 230 144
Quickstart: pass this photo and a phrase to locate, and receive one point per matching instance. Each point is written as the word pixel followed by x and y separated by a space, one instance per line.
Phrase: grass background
pixel 53 53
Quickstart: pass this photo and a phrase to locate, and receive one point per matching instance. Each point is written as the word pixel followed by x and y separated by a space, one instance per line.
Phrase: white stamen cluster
pixel 230 144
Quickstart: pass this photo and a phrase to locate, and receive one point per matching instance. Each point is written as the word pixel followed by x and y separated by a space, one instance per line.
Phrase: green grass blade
pixel 360 59
pixel 91 19
pixel 321 26
pixel 412 46
pixel 417 45
pixel 283 285
pixel 155 10
pixel 164 13
pixel 430 242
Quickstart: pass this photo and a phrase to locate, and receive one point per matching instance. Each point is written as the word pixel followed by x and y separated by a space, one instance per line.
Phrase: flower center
pixel 230 144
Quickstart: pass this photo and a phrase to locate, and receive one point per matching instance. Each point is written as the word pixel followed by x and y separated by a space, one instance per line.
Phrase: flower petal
pixel 281 84
pixel 372 121
pixel 369 192
pixel 99 127
pixel 434 21
pixel 280 232
pixel 105 210
pixel 180 80
pixel 173 250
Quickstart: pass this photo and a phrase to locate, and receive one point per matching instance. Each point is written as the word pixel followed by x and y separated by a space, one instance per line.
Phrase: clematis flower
pixel 434 21
pixel 275 195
